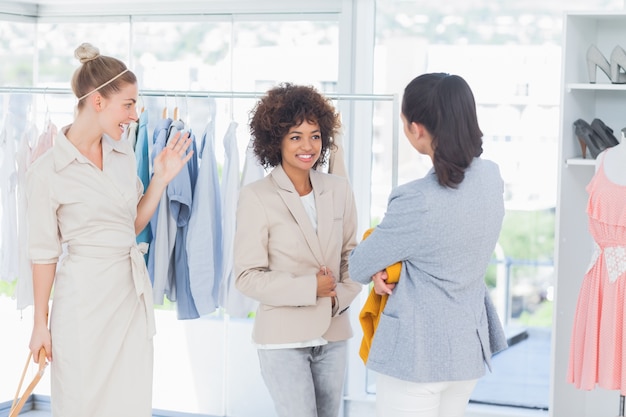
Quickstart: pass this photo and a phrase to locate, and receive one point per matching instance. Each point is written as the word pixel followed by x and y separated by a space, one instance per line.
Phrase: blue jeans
pixel 305 382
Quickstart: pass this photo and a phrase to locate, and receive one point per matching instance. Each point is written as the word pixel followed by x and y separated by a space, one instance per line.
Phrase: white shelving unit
pixel 580 99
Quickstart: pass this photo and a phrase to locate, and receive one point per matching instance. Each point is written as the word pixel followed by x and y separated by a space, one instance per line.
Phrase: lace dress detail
pixel 615 258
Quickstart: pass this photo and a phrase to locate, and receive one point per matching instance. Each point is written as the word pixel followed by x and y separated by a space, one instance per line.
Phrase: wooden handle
pixel 16 408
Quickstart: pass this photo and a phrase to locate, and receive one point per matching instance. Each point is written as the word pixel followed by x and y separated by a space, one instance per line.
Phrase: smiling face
pixel 301 147
pixel 118 110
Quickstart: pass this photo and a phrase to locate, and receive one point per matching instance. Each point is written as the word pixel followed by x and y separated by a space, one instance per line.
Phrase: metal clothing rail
pixel 198 93
pixel 240 94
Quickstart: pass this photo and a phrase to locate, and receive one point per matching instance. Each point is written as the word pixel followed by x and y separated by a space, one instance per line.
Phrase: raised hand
pixel 168 163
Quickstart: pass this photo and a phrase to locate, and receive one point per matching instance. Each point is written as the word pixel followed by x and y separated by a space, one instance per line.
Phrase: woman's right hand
pixel 326 283
pixel 381 287
pixel 40 338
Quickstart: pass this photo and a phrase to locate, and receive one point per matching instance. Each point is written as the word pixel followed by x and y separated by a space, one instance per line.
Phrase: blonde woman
pixel 84 193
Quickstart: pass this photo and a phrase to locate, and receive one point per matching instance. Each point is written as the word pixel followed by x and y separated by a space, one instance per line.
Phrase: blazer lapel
pixel 290 197
pixel 324 208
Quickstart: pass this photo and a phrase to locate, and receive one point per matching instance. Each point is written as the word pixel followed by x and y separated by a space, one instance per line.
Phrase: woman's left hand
pixel 172 158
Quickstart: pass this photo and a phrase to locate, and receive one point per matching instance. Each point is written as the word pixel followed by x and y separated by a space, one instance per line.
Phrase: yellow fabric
pixel 374 306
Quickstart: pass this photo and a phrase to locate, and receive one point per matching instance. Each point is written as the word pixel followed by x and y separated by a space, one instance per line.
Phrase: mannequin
pixel 614 163
pixel 598 334
pixel 614 169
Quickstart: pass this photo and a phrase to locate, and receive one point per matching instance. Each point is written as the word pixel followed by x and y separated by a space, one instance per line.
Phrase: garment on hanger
pixel 130 134
pixel 8 197
pixel 44 142
pixel 598 337
pixel 229 295
pixel 143 168
pixel 204 236
pixel 24 288
pixel 240 305
pixel 163 237
pixel 252 169
pixel 336 160
pixel 180 198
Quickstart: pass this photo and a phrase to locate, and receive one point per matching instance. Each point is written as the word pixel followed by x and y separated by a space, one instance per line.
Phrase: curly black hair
pixel 283 107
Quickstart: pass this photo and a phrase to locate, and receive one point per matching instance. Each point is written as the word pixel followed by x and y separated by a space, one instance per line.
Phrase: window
pixel 511 57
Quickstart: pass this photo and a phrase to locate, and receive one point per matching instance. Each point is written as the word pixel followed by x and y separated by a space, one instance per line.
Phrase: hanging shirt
pixel 44 142
pixel 179 195
pixel 252 169
pixel 240 305
pixel 336 160
pixel 130 134
pixel 8 197
pixel 24 288
pixel 230 297
pixel 204 236
pixel 143 169
pixel 159 253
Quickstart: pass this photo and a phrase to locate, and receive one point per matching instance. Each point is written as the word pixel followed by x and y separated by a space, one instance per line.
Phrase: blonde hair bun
pixel 86 52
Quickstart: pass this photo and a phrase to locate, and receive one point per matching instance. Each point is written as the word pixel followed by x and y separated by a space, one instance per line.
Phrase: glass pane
pixel 512 60
pixel 304 52
pixel 56 43
pixel 17 48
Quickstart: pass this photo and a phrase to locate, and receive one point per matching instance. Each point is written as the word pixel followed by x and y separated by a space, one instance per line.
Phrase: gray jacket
pixel 439 324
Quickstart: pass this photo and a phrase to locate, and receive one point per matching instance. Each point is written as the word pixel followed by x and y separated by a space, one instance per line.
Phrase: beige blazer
pixel 278 254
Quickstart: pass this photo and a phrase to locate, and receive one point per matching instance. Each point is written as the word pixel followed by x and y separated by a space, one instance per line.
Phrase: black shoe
pixel 588 139
pixel 605 133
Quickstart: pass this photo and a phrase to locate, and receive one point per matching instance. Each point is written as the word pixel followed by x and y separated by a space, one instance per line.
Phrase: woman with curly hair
pixel 295 230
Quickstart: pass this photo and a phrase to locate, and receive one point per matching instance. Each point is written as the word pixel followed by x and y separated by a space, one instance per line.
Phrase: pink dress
pixel 598 345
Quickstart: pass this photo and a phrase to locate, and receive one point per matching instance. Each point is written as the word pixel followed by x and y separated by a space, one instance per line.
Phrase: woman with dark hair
pixel 295 230
pixel 439 327
pixel 84 194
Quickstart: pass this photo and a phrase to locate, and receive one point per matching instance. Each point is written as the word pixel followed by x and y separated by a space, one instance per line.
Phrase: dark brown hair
pixel 444 104
pixel 283 107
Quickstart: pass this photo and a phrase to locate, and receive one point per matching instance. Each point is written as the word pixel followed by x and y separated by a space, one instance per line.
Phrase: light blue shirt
pixel 230 194
pixel 143 168
pixel 158 259
pixel 179 196
pixel 204 235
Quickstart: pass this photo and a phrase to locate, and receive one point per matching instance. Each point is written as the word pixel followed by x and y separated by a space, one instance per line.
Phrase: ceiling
pixel 65 8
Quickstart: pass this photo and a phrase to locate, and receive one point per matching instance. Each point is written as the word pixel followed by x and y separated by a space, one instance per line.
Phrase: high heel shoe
pixel 605 133
pixel 618 60
pixel 595 59
pixel 587 138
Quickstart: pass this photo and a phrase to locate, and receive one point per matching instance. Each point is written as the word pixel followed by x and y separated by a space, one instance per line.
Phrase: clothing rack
pixel 200 93
pixel 394 98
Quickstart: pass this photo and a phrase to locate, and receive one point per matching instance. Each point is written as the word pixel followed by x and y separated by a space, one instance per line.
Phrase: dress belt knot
pixel 141 280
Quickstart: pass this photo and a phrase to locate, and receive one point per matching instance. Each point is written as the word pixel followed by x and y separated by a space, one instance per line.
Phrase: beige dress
pixel 102 320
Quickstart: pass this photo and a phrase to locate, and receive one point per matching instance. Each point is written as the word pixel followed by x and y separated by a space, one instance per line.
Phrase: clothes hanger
pixel 164 114
pixel 16 406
